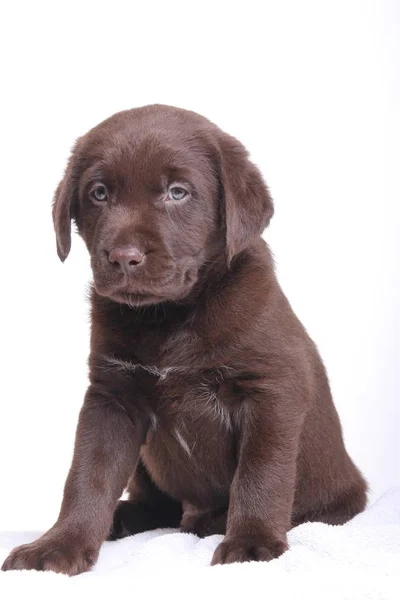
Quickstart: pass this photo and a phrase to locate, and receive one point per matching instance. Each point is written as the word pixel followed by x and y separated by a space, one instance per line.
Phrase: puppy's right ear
pixel 65 202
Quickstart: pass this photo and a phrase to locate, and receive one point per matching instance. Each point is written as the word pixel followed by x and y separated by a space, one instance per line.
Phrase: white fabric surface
pixel 358 560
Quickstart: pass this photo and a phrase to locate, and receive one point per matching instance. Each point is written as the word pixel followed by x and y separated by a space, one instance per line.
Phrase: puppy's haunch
pixel 207 401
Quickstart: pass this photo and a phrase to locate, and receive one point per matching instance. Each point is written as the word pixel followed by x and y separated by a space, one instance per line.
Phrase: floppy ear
pixel 64 207
pixel 247 204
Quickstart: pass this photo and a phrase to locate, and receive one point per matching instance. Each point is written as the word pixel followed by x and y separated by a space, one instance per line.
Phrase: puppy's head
pixel 158 194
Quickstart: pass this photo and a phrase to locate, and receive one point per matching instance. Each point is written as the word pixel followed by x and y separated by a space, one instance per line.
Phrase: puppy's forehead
pixel 148 154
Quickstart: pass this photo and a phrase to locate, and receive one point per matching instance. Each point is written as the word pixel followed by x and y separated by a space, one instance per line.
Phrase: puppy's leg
pixel 345 506
pixel 107 447
pixel 262 490
pixel 147 508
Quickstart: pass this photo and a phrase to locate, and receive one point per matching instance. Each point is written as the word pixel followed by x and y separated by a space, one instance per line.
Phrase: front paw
pixel 243 549
pixel 60 554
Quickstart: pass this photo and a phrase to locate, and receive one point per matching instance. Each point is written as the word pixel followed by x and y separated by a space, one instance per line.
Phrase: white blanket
pixel 358 560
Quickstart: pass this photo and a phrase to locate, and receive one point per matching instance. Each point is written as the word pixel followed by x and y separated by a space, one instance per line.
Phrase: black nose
pixel 127 259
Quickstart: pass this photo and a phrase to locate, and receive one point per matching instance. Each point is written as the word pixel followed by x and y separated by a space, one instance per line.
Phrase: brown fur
pixel 207 398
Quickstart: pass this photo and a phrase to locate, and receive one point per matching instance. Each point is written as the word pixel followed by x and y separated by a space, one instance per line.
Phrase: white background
pixel 312 88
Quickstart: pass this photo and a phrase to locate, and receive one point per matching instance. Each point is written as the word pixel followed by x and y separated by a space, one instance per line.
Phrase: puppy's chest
pixel 182 395
pixel 192 432
pixel 192 410
pixel 191 396
pixel 188 398
pixel 187 384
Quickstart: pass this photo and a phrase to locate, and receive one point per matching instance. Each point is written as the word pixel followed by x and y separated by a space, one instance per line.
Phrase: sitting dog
pixel 208 402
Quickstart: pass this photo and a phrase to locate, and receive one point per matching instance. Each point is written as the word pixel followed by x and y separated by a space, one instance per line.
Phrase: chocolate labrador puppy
pixel 207 401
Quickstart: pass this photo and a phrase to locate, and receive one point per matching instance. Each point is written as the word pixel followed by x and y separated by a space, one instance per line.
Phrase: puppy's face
pixel 158 194
pixel 148 211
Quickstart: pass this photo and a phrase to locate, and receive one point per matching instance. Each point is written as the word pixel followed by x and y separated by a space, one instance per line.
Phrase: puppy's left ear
pixel 65 203
pixel 246 202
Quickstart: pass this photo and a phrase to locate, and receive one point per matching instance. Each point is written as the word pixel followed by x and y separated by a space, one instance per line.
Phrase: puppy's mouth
pixel 127 292
pixel 136 299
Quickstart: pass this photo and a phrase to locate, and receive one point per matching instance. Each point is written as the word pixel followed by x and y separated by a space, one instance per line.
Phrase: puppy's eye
pixel 99 193
pixel 177 193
